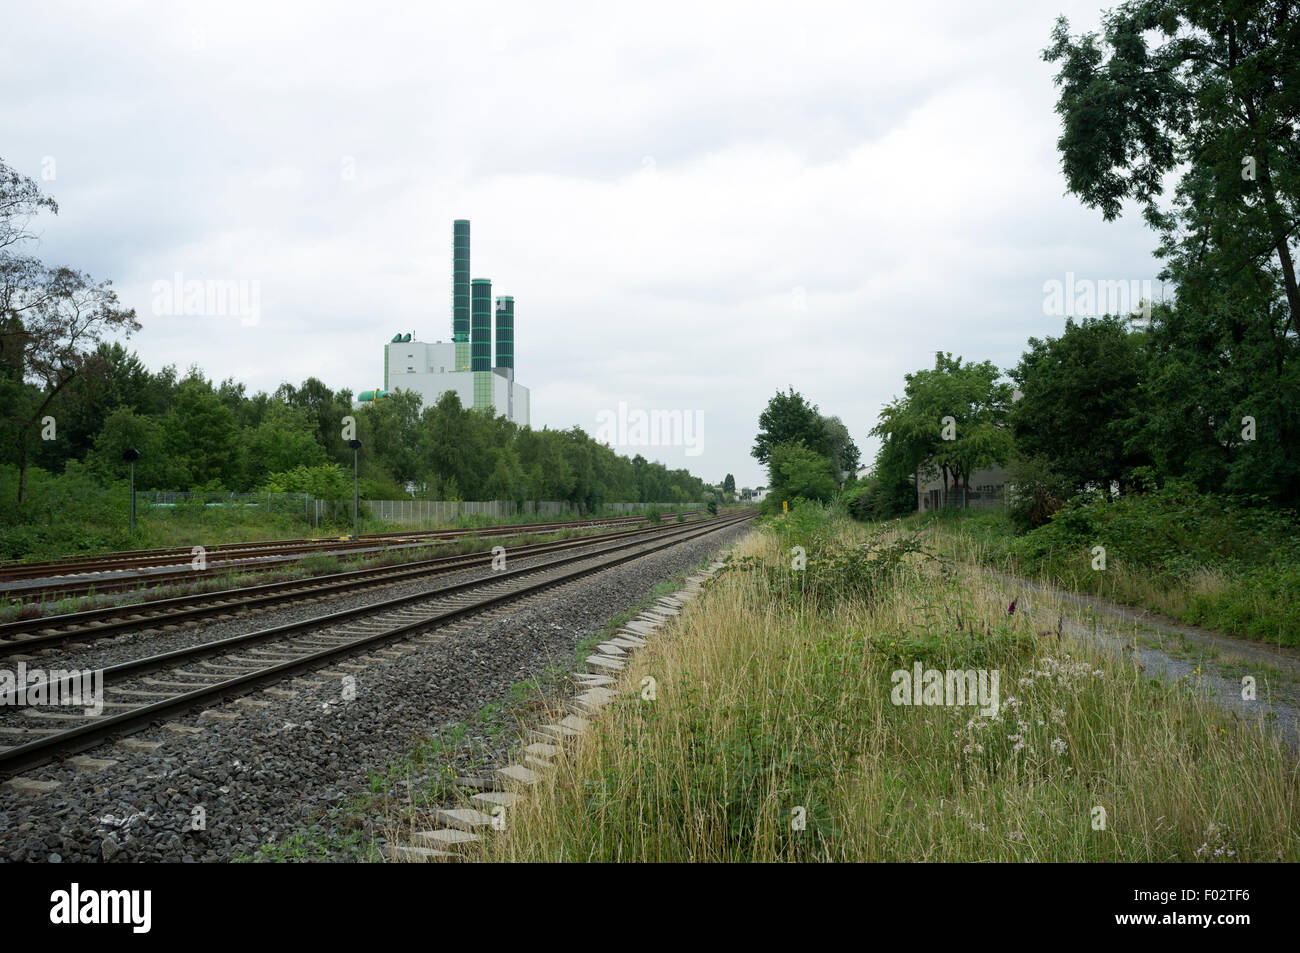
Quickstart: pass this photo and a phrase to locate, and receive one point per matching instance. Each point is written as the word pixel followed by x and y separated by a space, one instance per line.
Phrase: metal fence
pixel 403 512
pixel 448 511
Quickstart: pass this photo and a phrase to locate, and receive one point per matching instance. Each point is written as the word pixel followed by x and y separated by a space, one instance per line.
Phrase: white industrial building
pixel 466 363
pixel 429 369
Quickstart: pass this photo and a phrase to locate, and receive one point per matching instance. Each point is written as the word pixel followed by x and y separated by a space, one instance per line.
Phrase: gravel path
pixel 285 761
pixel 1174 651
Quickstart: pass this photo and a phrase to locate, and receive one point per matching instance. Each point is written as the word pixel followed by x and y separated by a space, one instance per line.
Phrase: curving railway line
pixel 139 691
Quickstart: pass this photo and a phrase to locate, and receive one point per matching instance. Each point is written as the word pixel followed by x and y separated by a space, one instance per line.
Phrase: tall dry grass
pixel 769 700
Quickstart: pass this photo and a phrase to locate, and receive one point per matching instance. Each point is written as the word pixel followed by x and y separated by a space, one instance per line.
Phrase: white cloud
pixel 694 204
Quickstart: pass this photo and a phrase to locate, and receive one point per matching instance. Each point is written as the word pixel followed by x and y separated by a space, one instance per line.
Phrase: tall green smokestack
pixel 506 332
pixel 481 341
pixel 460 292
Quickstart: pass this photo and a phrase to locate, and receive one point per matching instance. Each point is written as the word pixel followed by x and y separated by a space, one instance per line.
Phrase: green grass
pixel 774 694
pixel 70 514
pixel 1200 559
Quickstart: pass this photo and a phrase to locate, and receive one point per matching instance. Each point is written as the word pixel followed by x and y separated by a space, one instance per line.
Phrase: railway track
pixel 26 635
pixel 55 582
pixel 232 553
pixel 139 691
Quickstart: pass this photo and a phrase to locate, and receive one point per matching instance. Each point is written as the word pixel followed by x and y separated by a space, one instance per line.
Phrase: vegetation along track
pixel 134 696
pixel 25 635
pixel 229 555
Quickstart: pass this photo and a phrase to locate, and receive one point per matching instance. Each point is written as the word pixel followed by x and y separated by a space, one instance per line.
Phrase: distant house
pixel 986 489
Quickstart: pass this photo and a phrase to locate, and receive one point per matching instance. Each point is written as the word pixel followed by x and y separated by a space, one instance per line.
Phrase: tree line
pixel 1202 390
pixel 71 396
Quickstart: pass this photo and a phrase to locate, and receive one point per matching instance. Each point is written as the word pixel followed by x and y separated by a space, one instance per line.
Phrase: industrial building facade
pixel 986 489
pixel 464 364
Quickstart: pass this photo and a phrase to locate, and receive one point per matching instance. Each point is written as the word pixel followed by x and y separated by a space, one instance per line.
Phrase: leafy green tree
pixel 283 440
pixel 951 419
pixel 1079 394
pixel 1206 95
pixel 52 321
pixel 798 472
pixel 843 451
pixel 327 481
pixel 202 438
pixel 124 430
pixel 788 418
pixel 729 484
pixel 390 433
pixel 325 410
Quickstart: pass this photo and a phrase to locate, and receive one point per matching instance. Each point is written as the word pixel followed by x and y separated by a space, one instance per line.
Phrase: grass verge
pixel 775 709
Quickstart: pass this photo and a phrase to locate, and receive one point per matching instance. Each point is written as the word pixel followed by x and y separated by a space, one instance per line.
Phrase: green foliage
pixel 1168 539
pixel 790 419
pixel 787 419
pixel 798 472
pixel 1174 530
pixel 1079 393
pixel 912 427
pixel 64 513
pixel 1202 94
pixel 831 570
pixel 195 435
pixel 876 498
pixel 327 481
pixel 1039 491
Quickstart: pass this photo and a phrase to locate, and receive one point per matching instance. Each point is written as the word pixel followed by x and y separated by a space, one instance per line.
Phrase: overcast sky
pixel 694 204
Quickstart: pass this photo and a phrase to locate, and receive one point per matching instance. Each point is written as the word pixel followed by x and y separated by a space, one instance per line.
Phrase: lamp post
pixel 356 496
pixel 130 456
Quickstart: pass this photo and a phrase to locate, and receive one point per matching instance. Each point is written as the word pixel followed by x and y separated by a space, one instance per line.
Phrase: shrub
pixel 1037 491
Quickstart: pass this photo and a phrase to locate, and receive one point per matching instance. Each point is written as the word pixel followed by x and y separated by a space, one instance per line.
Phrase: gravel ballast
pixel 286 761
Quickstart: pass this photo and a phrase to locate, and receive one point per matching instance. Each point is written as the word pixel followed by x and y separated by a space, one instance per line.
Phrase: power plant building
pixel 464 364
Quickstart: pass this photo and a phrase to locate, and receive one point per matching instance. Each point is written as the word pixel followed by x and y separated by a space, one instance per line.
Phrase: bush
pixel 874 499
pixel 799 472
pixel 1037 491
pixel 824 571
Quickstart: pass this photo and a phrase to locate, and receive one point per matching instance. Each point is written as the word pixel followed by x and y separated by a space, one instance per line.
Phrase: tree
pixel 843 451
pixel 325 409
pixel 123 430
pixel 951 419
pixel 786 419
pixel 52 320
pixel 1222 88
pixel 798 472
pixel 1079 393
pixel 1210 94
pixel 282 441
pixel 202 438
pixel 729 484
pixel 20 201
